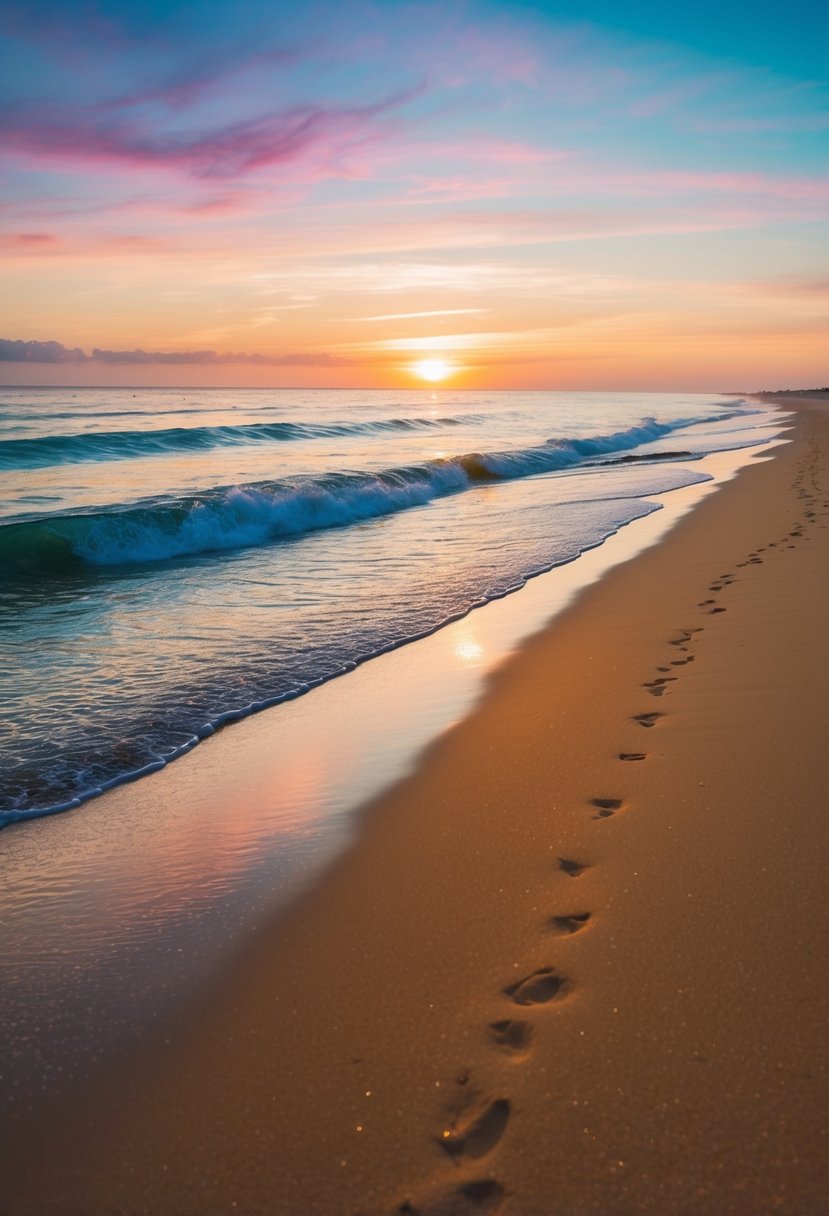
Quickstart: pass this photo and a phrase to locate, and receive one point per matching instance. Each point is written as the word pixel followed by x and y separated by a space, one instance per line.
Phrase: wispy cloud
pixel 432 312
pixel 678 181
pixel 33 240
pixel 224 152
pixel 202 77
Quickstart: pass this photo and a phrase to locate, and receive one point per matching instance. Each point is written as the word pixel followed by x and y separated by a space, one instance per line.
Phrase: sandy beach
pixel 575 964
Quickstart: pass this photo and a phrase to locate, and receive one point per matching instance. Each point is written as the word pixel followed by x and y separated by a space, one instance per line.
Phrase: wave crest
pixel 48 450
pixel 239 516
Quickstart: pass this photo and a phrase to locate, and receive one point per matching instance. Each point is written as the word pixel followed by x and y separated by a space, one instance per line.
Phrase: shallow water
pixel 171 561
pixel 127 905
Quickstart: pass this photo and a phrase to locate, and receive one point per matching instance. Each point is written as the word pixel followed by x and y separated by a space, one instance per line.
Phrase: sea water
pixel 175 559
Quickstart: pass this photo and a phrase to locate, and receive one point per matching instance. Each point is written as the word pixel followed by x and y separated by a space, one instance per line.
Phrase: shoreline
pixel 375 1051
pixel 101 903
pixel 157 760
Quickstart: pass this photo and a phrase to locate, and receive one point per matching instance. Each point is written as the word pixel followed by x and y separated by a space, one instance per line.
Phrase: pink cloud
pixel 460 188
pixel 219 204
pixel 29 245
pixel 801 287
pixel 87 243
pixel 202 78
pixel 224 153
pixel 487 148
pixel 32 239
pixel 762 184
pixel 476 167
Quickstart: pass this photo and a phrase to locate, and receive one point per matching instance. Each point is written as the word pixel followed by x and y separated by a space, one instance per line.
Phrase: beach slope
pixel 575 964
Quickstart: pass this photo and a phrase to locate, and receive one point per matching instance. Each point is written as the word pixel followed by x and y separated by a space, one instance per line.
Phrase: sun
pixel 432 369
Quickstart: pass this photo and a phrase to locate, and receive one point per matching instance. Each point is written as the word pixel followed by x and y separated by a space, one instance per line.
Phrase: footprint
pixel 479 1134
pixel 538 988
pixel 512 1036
pixel 657 687
pixel 606 806
pixel 632 755
pixel 565 925
pixel 471 1199
pixel 713 610
pixel 682 662
pixel 705 603
pixel 647 719
pixel 573 868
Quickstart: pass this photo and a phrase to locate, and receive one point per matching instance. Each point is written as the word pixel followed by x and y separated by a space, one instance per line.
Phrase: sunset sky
pixel 600 195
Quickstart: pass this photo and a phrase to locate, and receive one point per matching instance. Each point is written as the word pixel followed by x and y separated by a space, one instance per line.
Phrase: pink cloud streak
pixel 225 153
pixel 201 79
pixel 676 181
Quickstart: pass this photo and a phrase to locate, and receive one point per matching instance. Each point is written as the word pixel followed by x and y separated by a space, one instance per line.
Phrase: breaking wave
pixel 239 516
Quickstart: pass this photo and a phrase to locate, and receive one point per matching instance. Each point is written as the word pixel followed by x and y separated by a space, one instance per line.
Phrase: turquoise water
pixel 171 560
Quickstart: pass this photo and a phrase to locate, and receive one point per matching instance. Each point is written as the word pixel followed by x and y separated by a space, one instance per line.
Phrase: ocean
pixel 172 560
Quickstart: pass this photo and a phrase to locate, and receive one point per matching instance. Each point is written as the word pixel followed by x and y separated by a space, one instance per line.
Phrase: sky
pixel 501 195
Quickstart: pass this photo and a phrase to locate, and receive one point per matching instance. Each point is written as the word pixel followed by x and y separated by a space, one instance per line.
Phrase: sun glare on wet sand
pixel 432 369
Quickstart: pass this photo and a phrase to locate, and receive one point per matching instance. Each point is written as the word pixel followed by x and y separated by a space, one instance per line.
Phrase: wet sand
pixel 575 964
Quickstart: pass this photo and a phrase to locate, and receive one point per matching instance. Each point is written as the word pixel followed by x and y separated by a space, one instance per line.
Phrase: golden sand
pixel 575 964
